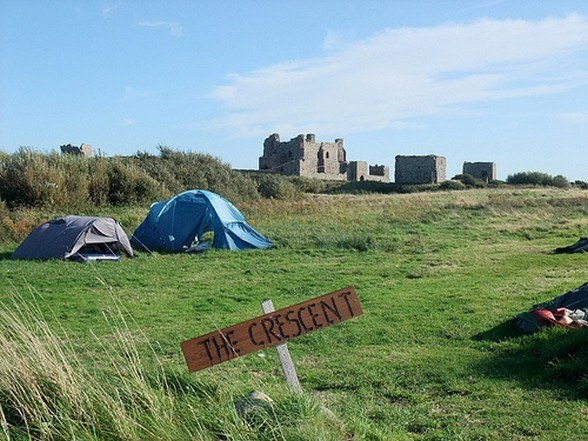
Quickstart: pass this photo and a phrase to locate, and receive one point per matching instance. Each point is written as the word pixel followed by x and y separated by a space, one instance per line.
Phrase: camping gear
pixel 179 223
pixel 569 309
pixel 580 246
pixel 76 237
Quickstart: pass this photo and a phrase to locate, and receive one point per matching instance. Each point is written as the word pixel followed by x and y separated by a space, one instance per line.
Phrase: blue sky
pixel 489 80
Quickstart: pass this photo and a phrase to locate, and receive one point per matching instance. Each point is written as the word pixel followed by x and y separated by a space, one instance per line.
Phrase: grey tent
pixel 76 237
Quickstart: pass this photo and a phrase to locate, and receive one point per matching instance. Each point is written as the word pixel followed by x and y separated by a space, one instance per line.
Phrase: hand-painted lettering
pixel 278 321
pixel 217 347
pixel 294 320
pixel 230 340
pixel 250 331
pixel 268 326
pixel 206 344
pixel 314 315
pixel 271 329
pixel 345 295
pixel 306 328
pixel 332 308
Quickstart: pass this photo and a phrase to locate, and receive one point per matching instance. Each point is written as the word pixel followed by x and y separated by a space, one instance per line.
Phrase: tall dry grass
pixel 122 391
pixel 48 392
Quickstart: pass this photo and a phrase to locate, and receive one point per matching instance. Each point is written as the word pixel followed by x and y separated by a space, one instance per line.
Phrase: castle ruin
pixel 304 156
pixel 83 150
pixel 486 171
pixel 429 169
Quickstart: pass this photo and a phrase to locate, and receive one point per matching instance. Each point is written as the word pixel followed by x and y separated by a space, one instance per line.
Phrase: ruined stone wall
pixel 360 171
pixel 357 171
pixel 429 169
pixel 277 154
pixel 485 171
pixel 379 173
pixel 304 156
pixel 83 150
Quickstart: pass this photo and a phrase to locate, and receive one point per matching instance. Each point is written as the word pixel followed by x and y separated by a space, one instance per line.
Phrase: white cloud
pixel 107 11
pixel 128 122
pixel 332 40
pixel 131 93
pixel 573 118
pixel 401 74
pixel 174 28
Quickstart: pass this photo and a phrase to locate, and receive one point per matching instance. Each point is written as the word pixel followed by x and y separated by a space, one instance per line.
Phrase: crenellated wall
pixel 304 156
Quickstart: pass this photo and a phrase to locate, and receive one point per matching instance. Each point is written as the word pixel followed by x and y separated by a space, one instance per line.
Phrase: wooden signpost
pixel 271 329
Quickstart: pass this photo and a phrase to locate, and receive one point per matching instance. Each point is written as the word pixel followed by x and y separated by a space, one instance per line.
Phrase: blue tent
pixel 181 221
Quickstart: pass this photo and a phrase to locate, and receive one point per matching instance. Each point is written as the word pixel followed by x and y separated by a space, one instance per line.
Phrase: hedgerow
pixel 32 179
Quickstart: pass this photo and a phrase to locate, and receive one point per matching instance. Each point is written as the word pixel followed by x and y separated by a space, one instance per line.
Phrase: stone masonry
pixel 83 150
pixel 429 169
pixel 304 156
pixel 485 171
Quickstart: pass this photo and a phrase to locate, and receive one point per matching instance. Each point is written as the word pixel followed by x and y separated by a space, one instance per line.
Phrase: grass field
pixel 95 347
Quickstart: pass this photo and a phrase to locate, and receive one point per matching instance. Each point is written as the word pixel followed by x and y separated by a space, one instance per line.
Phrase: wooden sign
pixel 271 329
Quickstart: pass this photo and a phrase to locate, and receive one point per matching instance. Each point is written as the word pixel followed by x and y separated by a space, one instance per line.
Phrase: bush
pixel 537 178
pixel 452 185
pixel 99 185
pixel 30 178
pixel 130 185
pixel 469 181
pixel 496 183
pixel 309 185
pixel 73 190
pixel 364 187
pixel 560 181
pixel 275 186
pixel 178 171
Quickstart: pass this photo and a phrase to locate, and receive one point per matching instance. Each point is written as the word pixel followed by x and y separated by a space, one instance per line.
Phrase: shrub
pixel 560 181
pixel 99 185
pixel 130 185
pixel 30 178
pixel 369 187
pixel 452 185
pixel 178 171
pixel 537 178
pixel 309 185
pixel 275 186
pixel 33 179
pixel 469 181
pixel 496 183
pixel 73 188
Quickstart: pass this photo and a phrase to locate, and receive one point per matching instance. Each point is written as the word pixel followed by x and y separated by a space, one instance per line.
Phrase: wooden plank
pixel 271 329
pixel 284 355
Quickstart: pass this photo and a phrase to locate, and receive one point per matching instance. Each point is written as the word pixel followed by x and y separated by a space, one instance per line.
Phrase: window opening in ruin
pixel 327 155
pixel 320 161
pixel 361 178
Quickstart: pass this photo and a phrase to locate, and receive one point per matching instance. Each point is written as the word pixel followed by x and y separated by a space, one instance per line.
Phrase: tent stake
pixel 284 354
